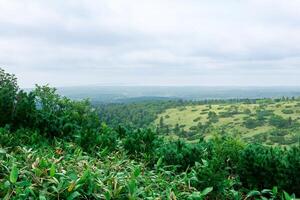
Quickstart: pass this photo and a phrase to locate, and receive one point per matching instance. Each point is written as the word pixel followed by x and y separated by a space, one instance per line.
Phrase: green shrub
pixel 225 114
pixel 279 132
pixel 262 114
pixel 212 117
pixel 21 136
pixel 8 93
pixel 279 121
pixel 141 141
pixel 182 155
pixel 25 113
pixel 259 166
pixel 92 140
pixel 287 111
pixel 277 139
pixel 263 167
pixel 252 123
pixel 197 119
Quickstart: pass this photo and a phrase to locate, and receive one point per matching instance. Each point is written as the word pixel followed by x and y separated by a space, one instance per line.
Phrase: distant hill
pixel 113 94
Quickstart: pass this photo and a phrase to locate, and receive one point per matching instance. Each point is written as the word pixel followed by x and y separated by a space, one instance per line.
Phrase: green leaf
pixel 74 195
pixel 159 162
pixel 42 196
pixel 107 195
pixel 266 191
pixel 275 191
pixel 195 196
pixel 287 196
pixel 14 174
pixel 85 176
pixel 52 170
pixel 132 186
pixel 206 191
pixel 137 172
pixel 2 151
pixel 253 193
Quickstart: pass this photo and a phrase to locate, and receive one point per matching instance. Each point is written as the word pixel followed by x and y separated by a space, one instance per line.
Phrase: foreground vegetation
pixel 54 148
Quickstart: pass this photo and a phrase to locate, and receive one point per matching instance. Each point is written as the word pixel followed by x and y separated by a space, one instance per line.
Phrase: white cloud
pixel 76 42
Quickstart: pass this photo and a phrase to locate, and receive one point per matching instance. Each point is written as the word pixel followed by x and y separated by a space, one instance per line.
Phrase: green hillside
pixel 268 121
pixel 52 147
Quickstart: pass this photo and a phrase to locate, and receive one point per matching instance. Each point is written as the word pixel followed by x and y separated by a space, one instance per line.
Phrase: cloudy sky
pixel 151 42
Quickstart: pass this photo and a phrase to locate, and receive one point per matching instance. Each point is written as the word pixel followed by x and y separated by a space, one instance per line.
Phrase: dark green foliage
pixel 92 140
pixel 279 132
pixel 247 111
pixel 135 115
pixel 213 117
pixel 225 114
pixel 182 155
pixel 252 123
pixel 263 167
pixel 197 119
pixel 279 121
pixel 141 141
pixel 259 166
pixel 290 175
pixel 262 114
pixel 21 136
pixel 287 111
pixel 212 175
pixel 52 115
pixel 8 93
pixel 25 113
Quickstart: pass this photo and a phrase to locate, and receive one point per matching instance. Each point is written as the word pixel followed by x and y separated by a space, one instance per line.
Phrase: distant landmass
pixel 115 94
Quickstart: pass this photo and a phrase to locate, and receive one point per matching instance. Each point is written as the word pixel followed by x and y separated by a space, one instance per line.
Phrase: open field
pixel 269 122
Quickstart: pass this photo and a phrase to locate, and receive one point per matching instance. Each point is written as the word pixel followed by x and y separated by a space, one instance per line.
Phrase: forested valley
pixel 53 147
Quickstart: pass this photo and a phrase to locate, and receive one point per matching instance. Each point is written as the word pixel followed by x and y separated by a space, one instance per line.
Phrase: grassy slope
pixel 187 116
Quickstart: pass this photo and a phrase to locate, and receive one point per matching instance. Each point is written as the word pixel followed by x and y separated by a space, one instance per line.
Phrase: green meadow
pixel 267 121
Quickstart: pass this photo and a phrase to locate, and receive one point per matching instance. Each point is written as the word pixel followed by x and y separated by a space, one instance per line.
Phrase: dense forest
pixel 52 147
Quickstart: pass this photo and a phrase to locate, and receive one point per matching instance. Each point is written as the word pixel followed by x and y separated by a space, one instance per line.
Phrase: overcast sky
pixel 151 42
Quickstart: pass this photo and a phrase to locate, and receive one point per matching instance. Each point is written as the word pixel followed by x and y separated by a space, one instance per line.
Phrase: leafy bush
pixel 219 168
pixel 182 155
pixel 92 140
pixel 279 121
pixel 21 136
pixel 259 166
pixel 252 123
pixel 263 167
pixel 279 132
pixel 25 114
pixel 225 114
pixel 197 119
pixel 262 114
pixel 213 117
pixel 287 111
pixel 8 93
pixel 141 141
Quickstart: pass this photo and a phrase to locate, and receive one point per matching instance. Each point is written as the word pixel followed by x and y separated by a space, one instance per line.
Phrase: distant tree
pixel 279 121
pixel 167 129
pixel 161 122
pixel 177 129
pixel 213 117
pixel 252 123
pixel 247 111
pixel 290 121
